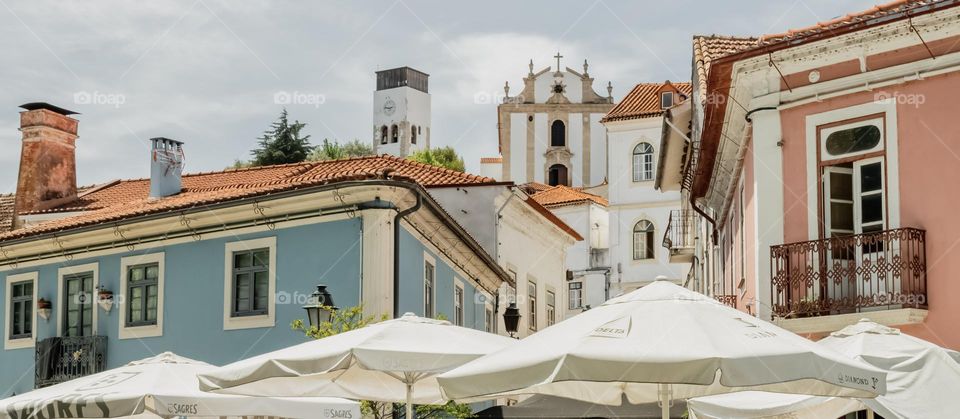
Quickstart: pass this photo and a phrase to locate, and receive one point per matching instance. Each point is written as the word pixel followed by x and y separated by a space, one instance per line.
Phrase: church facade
pixel 550 132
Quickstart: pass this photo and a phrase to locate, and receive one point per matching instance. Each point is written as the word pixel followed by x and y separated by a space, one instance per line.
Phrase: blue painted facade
pixel 325 252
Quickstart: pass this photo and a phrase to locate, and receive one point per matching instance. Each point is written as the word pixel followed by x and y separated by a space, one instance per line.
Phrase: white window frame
pixel 664 95
pixel 570 295
pixel 459 311
pixel 19 343
pixel 825 133
pixel 489 318
pixel 146 331
pixel 428 258
pixel 640 161
pixel 653 237
pixel 550 309
pixel 532 308
pixel 249 322
pixel 58 306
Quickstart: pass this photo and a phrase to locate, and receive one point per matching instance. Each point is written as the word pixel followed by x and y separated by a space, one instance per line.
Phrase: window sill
pixel 137 332
pixel 248 322
pixel 21 343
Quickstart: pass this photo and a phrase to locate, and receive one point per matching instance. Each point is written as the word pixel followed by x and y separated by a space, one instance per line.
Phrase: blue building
pixel 216 266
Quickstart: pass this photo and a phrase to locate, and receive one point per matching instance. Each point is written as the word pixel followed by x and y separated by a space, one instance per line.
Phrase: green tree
pixel 282 143
pixel 443 157
pixel 345 320
pixel 332 150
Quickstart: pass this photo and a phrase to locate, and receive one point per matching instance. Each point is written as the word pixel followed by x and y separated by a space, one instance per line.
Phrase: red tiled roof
pixel 559 196
pixel 644 101
pixel 491 160
pixel 128 198
pixel 6 212
pixel 707 49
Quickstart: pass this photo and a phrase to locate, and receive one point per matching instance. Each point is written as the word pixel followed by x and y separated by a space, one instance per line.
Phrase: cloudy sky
pixel 206 71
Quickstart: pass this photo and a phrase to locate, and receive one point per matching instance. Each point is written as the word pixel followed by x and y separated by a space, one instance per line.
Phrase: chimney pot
pixel 166 165
pixel 48 171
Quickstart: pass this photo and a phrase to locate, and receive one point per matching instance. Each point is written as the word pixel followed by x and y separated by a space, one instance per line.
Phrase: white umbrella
pixel 164 385
pixel 923 380
pixel 658 341
pixel 391 361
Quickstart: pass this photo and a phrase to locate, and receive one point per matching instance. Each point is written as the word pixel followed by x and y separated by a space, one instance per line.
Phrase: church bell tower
pixel 401 112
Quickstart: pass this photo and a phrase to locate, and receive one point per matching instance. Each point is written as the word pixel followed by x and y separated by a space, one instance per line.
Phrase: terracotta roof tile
pixel 128 198
pixel 707 49
pixel 559 196
pixel 6 212
pixel 644 101
pixel 491 160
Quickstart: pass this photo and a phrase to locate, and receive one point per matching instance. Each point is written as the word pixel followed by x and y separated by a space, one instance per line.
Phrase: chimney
pixel 166 164
pixel 48 163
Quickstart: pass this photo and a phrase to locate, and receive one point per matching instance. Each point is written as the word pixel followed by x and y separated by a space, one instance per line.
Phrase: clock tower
pixel 401 112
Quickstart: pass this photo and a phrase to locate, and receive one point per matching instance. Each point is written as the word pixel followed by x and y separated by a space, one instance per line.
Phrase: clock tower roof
pixel 402 77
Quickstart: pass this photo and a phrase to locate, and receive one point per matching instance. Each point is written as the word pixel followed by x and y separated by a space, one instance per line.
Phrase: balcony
pixel 821 285
pixel 679 236
pixel 60 359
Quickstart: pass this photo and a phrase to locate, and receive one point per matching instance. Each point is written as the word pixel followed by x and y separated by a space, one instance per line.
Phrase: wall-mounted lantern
pixel 511 319
pixel 320 307
pixel 44 307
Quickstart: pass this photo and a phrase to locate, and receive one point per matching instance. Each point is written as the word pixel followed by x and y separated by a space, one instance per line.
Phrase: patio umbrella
pixel 923 380
pixel 391 361
pixel 658 342
pixel 161 386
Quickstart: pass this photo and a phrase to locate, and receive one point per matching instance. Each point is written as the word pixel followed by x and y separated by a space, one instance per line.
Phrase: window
pixel 643 162
pixel 384 134
pixel 853 140
pixel 666 100
pixel 250 278
pixel 394 134
pixel 575 295
pixel 420 129
pixel 532 304
pixel 251 282
pixel 557 175
pixel 76 300
pixel 551 308
pixel 413 135
pixel 488 320
pixel 141 300
pixel 21 296
pixel 458 305
pixel 558 134
pixel 643 240
pixel 429 284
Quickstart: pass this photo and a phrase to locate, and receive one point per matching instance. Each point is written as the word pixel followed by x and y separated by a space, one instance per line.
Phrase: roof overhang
pixel 674 142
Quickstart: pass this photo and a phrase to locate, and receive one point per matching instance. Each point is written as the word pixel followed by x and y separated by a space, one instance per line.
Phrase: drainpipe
pixel 396 250
pixel 496 230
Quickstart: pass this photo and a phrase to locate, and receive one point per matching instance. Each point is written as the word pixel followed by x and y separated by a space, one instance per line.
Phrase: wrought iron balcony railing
pixel 61 359
pixel 849 274
pixel 680 231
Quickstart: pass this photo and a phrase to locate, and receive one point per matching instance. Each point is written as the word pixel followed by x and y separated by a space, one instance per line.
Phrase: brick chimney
pixel 48 162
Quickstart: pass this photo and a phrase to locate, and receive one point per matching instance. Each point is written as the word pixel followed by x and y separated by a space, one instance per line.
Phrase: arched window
pixel 394 134
pixel 384 134
pixel 558 134
pixel 643 240
pixel 557 175
pixel 643 162
pixel 413 134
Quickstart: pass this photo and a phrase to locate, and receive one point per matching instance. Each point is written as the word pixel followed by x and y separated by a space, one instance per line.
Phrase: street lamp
pixel 320 307
pixel 511 319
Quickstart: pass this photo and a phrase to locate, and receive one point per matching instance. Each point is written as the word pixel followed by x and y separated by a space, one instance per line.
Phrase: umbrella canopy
pixel 541 406
pixel 657 341
pixel 923 380
pixel 164 385
pixel 391 361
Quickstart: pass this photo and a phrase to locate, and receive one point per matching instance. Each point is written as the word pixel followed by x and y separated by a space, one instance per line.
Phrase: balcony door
pixel 854 199
pixel 78 305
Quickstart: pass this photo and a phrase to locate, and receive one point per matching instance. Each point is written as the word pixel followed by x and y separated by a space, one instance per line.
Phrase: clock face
pixel 389 107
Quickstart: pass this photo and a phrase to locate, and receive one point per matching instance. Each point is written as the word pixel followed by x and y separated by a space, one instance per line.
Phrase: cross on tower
pixel 558 57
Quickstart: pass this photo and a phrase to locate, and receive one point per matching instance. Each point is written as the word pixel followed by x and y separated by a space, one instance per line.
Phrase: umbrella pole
pixel 665 401
pixel 410 401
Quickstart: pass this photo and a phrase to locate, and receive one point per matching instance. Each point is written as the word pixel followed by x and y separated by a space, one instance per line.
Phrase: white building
pixel 550 132
pixel 528 241
pixel 401 112
pixel 588 265
pixel 640 215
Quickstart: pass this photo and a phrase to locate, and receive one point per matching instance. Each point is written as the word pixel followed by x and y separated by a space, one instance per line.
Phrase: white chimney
pixel 166 165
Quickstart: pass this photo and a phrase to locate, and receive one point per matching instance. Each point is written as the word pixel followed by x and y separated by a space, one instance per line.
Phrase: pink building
pixel 822 167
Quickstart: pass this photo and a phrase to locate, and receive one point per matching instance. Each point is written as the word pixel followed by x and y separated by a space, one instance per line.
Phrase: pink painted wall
pixel 929 172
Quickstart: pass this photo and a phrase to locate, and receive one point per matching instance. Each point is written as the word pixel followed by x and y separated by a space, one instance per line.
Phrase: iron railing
pixel 680 231
pixel 61 359
pixel 849 274
pixel 728 299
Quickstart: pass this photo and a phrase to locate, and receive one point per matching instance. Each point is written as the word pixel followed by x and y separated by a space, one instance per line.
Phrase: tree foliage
pixel 283 143
pixel 443 157
pixel 345 320
pixel 333 150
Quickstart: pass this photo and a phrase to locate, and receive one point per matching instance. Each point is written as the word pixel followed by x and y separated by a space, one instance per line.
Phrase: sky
pixel 207 72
